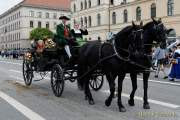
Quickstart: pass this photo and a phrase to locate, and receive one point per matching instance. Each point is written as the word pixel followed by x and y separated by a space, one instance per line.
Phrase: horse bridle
pixel 157 27
pixel 134 33
pixel 127 59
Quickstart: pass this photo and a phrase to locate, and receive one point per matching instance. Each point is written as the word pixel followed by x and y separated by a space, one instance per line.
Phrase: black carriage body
pixel 56 61
pixel 45 61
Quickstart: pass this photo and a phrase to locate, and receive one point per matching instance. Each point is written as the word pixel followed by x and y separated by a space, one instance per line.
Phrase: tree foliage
pixel 41 33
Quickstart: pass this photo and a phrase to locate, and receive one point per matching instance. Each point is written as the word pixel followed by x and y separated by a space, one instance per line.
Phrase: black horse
pixel 111 59
pixel 152 31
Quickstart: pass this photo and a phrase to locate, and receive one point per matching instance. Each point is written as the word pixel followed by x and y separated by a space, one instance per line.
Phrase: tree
pixel 41 33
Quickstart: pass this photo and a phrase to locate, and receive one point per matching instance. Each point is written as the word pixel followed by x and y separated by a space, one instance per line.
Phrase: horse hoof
pixel 131 102
pixel 146 106
pixel 107 103
pixel 122 109
pixel 91 102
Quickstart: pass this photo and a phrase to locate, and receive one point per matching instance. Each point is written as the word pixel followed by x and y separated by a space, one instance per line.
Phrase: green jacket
pixel 60 39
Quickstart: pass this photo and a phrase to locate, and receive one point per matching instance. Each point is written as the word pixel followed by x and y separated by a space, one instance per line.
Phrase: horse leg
pixel 145 83
pixel 120 83
pixel 87 92
pixel 111 81
pixel 80 72
pixel 134 88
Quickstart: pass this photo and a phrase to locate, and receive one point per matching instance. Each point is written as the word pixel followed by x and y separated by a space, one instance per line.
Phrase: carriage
pixel 55 61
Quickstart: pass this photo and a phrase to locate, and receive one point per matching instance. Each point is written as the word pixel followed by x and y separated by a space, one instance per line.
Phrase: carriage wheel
pixel 57 80
pixel 96 82
pixel 27 72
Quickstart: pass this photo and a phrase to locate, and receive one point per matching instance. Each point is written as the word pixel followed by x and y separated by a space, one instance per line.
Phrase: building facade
pixel 102 16
pixel 16 23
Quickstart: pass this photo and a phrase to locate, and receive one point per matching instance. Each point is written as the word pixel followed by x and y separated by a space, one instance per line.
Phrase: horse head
pixel 129 39
pixel 156 31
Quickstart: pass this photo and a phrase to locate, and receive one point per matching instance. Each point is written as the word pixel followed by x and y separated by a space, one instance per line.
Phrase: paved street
pixel 38 102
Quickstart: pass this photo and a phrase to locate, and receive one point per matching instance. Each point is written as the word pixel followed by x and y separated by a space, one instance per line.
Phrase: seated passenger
pixel 78 33
pixel 38 46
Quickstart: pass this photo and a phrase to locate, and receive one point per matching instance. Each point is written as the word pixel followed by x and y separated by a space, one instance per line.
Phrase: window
pixel 39 15
pixel 39 24
pixel 19 37
pixel 90 24
pixel 55 15
pixel 74 22
pixel 85 21
pixel 98 2
pixel 74 7
pixel 113 18
pixel 85 4
pixel 112 2
pixel 81 5
pixel 31 24
pixel 47 25
pixel 19 14
pixel 19 24
pixel 125 16
pixel 170 7
pixel 98 19
pixel 31 13
pixel 82 22
pixel 138 13
pixel 153 10
pixel 99 38
pixel 47 15
pixel 89 3
pixel 55 25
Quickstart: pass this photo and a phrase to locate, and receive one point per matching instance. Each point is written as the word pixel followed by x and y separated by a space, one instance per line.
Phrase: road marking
pixel 16 71
pixel 21 108
pixel 156 81
pixel 174 106
pixel 11 63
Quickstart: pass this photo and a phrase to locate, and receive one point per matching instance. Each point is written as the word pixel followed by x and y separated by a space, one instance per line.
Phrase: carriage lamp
pixel 28 56
pixel 50 43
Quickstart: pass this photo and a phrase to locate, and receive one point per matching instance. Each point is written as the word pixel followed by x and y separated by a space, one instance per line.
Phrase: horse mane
pixel 147 25
pixel 124 31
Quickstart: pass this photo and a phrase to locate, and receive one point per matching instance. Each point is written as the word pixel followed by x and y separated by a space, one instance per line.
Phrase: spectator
pixel 159 55
pixel 175 68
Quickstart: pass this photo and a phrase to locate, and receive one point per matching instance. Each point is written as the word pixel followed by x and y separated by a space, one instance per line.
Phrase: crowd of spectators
pixel 168 62
pixel 12 54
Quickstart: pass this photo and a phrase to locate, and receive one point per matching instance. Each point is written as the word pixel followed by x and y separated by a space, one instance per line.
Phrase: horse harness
pixel 116 54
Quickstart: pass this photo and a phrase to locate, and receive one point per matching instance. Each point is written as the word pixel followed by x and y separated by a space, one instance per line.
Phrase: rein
pixel 127 60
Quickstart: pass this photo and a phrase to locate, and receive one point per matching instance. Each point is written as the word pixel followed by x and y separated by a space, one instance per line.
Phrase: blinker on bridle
pixel 157 28
pixel 136 31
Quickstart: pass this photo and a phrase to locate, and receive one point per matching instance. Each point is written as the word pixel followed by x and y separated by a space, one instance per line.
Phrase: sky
pixel 7 4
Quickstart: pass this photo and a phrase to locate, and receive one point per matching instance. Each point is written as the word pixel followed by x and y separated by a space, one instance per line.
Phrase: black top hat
pixel 64 18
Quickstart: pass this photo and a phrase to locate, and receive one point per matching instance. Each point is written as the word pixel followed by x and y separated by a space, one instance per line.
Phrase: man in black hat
pixel 63 34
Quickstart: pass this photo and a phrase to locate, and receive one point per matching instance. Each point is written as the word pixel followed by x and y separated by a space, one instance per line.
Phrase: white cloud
pixel 7 4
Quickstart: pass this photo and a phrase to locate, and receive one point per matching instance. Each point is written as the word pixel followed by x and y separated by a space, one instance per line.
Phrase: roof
pixel 63 5
pixel 55 4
